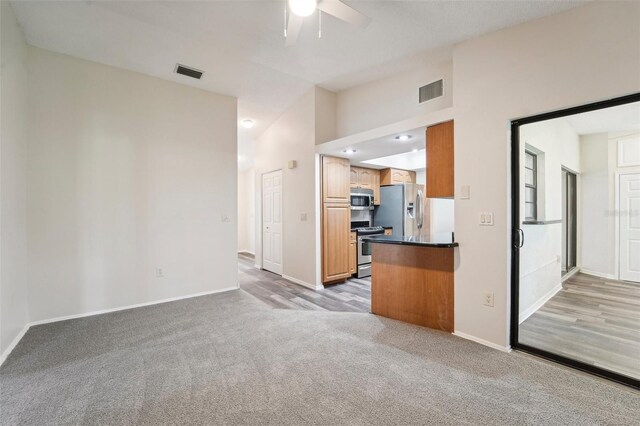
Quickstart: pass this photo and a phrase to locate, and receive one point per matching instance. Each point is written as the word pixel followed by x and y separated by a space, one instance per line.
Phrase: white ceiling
pixel 413 160
pixel 383 151
pixel 240 44
pixel 622 118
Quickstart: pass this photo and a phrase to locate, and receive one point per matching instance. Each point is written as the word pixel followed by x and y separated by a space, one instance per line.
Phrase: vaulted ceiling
pixel 241 48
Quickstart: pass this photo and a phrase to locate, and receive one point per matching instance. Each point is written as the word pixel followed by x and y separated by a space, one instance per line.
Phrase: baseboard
pixel 247 252
pixel 302 283
pixel 124 308
pixel 482 341
pixel 544 299
pixel 570 274
pixel 14 343
pixel 598 274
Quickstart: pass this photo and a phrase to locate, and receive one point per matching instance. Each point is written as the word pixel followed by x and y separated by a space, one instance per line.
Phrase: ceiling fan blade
pixel 343 12
pixel 294 24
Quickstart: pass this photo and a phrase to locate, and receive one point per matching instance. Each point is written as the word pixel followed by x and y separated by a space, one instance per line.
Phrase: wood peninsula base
pixel 413 284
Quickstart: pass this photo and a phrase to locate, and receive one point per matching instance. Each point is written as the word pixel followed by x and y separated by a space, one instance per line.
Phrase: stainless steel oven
pixel 361 199
pixel 365 250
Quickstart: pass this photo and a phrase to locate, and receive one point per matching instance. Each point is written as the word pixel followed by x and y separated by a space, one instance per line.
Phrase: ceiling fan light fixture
pixel 303 7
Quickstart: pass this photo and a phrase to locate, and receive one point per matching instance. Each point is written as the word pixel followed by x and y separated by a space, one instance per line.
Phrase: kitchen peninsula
pixel 412 279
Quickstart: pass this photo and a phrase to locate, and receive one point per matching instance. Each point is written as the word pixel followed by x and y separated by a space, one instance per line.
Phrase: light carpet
pixel 229 359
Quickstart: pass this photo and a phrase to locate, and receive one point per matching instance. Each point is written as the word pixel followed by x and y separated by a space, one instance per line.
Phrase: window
pixel 530 186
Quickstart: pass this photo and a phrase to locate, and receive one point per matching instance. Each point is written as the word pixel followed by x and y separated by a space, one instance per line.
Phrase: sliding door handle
pixel 518 238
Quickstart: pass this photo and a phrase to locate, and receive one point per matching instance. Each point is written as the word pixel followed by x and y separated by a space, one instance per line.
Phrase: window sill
pixel 541 222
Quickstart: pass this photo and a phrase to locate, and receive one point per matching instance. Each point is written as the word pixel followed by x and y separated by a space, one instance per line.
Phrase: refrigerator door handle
pixel 419 210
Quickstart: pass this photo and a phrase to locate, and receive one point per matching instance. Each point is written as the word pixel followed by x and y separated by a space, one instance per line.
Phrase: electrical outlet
pixel 225 217
pixel 488 299
pixel 159 273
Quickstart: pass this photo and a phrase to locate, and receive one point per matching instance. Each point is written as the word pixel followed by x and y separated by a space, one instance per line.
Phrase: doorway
pixel 569 221
pixel 272 222
pixel 576 237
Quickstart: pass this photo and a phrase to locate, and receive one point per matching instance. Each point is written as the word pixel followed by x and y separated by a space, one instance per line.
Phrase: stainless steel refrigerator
pixel 402 207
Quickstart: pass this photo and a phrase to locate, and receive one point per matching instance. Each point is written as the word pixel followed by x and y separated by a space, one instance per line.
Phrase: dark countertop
pixel 439 241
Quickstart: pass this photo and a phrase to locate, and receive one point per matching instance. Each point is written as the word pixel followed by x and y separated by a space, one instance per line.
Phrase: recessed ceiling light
pixel 247 124
pixel 415 150
pixel 303 7
pixel 349 151
pixel 403 137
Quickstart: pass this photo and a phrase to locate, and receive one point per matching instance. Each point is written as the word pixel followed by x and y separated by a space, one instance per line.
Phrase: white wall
pixel 586 54
pixel 325 115
pixel 597 218
pixel 127 173
pixel 561 147
pixel 394 98
pixel 14 314
pixel 292 137
pixel 247 211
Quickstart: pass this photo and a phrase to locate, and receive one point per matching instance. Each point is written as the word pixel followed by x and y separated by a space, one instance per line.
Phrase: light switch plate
pixel 465 192
pixel 303 217
pixel 486 219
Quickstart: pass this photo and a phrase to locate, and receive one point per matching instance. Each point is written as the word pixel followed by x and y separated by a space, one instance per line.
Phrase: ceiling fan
pixel 299 9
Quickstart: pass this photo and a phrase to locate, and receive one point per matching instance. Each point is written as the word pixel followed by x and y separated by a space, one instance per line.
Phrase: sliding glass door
pixel 568 303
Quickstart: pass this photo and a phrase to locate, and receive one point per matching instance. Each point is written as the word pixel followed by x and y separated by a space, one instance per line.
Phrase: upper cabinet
pixel 396 176
pixel 335 180
pixel 353 181
pixel 440 160
pixel 362 177
pixel 376 188
pixel 365 178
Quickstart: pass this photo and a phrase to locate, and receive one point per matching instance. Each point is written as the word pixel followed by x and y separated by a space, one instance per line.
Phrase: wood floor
pixel 593 320
pixel 275 291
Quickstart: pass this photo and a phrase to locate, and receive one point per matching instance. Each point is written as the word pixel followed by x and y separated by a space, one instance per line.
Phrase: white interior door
pixel 630 227
pixel 272 222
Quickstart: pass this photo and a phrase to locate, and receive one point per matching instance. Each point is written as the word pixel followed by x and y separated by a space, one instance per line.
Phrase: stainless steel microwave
pixel 361 199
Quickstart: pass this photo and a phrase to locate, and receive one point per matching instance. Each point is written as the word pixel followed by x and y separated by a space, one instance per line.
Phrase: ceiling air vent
pixel 431 91
pixel 189 72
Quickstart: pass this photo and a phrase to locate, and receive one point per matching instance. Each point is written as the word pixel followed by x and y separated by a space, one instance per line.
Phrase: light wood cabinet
pixel 423 283
pixel 440 171
pixel 353 177
pixel 362 177
pixel 396 176
pixel 336 219
pixel 365 178
pixel 376 188
pixel 336 242
pixel 353 253
pixel 335 180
